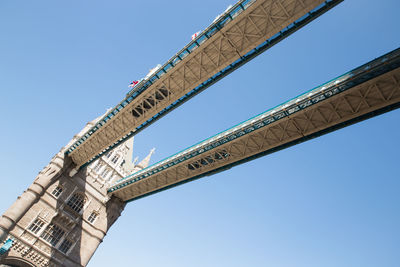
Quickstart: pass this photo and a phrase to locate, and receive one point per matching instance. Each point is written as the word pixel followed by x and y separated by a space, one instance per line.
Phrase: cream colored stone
pixel 30 247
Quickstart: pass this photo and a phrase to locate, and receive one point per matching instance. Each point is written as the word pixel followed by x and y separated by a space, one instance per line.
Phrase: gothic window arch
pixel 76 202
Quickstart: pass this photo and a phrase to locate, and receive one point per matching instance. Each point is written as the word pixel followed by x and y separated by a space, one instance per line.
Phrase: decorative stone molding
pixel 29 238
pixel 39 202
pixel 43 247
pixel 30 254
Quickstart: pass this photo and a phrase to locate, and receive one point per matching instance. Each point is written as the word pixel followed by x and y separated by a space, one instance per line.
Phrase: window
pixel 92 217
pixel 234 13
pixel 97 167
pixel 219 155
pixel 52 234
pixel 109 154
pixel 76 202
pixel 122 163
pixel 224 21
pixel 167 67
pixel 115 159
pixel 105 172
pixel 65 246
pixel 57 191
pixel 202 39
pixel 192 47
pixel 184 54
pixel 176 61
pixel 36 226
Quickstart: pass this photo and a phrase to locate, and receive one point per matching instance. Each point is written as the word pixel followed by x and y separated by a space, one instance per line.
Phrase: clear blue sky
pixel 332 201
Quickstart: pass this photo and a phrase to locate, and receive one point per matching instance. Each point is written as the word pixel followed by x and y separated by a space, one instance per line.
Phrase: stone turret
pixel 61 219
pixel 145 162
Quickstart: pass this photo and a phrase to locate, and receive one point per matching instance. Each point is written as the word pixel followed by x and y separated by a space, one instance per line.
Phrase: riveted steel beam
pixel 240 34
pixel 367 91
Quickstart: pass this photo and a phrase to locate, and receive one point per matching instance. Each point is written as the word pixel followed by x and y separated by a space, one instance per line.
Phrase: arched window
pixel 76 202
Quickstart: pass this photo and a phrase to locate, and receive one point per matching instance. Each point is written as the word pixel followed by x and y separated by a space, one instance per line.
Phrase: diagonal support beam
pixel 228 43
pixel 293 122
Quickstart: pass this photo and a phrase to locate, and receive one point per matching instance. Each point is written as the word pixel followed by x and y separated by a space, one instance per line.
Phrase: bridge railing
pixel 333 87
pixel 216 26
pixel 165 93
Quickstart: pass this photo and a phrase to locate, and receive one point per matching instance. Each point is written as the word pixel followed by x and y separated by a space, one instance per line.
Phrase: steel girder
pixel 236 39
pixel 365 92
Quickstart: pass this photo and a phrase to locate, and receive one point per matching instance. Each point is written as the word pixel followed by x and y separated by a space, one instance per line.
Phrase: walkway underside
pixel 246 30
pixel 367 91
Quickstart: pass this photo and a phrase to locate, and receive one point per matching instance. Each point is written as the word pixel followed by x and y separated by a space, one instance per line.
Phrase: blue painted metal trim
pixel 143 85
pixel 276 149
pixel 6 246
pixel 338 85
pixel 324 7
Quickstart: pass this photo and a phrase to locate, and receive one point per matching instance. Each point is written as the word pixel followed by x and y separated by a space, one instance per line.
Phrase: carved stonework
pixel 43 247
pixel 27 237
pixel 66 221
pixel 55 228
pixel 29 254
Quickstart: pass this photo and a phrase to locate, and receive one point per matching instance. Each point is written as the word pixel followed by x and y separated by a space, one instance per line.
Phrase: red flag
pixel 133 83
pixel 195 35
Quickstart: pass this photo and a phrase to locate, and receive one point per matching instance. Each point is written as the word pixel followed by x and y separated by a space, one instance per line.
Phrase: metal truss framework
pixel 365 92
pixel 236 36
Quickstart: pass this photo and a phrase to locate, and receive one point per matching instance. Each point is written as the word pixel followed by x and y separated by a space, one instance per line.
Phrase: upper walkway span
pixel 364 92
pixel 247 29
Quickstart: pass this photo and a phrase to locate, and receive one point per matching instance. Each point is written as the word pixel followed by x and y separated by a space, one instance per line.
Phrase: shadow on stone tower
pixel 60 220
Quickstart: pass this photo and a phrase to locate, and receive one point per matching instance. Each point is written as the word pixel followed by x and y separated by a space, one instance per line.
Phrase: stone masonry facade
pixel 61 220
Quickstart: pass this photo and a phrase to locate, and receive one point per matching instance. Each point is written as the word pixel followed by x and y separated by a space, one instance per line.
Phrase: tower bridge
pixel 61 219
pixel 362 93
pixel 247 29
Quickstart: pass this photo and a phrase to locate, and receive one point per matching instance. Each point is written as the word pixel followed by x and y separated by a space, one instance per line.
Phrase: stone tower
pixel 61 220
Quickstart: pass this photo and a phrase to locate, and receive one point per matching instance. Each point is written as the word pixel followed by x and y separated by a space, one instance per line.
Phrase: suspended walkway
pixel 247 29
pixel 362 93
